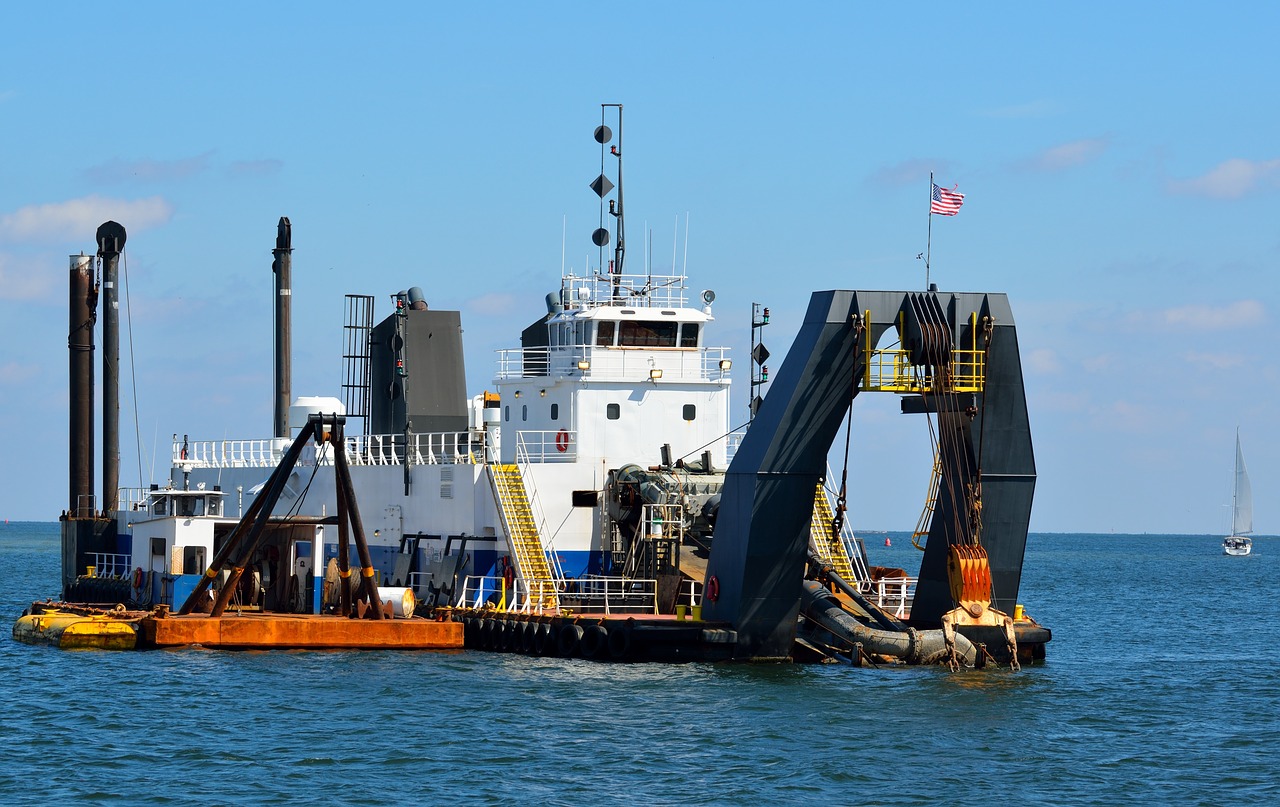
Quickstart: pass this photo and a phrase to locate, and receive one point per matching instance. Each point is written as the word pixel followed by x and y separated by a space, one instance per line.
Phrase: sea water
pixel 1161 686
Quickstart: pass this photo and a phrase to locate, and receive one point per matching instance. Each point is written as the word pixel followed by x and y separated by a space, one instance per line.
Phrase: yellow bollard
pixel 697 613
pixel 1017 612
pixel 91 571
pixel 681 610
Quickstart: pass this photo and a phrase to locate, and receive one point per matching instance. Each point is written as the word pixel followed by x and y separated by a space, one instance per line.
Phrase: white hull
pixel 1236 545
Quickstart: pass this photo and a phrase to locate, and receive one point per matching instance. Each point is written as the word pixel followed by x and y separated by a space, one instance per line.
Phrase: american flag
pixel 945 202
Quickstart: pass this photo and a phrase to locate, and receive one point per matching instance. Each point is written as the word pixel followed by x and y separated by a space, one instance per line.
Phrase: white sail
pixel 1242 517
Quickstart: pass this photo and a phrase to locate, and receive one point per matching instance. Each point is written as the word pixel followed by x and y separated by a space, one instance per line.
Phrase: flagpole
pixel 928 250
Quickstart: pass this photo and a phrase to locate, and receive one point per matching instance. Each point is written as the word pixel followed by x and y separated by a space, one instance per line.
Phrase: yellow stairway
pixel 827 546
pixel 522 534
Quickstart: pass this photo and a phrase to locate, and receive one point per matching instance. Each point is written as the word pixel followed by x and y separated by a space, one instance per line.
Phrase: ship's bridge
pixel 632 328
pixel 615 369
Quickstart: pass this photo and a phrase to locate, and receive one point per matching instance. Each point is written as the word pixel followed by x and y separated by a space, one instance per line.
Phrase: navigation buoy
pixel 887 542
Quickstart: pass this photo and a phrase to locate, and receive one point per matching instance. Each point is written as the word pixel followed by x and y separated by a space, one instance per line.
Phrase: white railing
pixel 607 595
pixel 547 542
pixel 437 448
pixel 603 363
pixel 106 564
pixel 546 446
pixel 690 593
pixel 133 498
pixel 481 590
pixel 894 594
pixel 227 453
pixel 611 595
pixel 625 290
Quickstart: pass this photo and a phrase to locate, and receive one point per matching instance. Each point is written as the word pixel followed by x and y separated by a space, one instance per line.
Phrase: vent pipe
pixel 111 237
pixel 83 309
pixel 282 266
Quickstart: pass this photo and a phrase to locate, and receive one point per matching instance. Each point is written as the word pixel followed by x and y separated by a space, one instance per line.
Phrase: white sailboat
pixel 1241 509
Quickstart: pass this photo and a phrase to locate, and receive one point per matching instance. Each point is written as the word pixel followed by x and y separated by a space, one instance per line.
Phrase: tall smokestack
pixel 282 266
pixel 111 237
pixel 83 308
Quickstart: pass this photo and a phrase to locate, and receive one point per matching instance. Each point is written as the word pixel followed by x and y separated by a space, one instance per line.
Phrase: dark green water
pixel 1162 686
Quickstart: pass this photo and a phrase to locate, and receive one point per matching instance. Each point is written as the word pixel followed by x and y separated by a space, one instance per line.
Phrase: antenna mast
pixel 602 186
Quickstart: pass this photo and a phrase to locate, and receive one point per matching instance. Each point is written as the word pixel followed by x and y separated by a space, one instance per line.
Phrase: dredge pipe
pixel 911 645
pixel 877 613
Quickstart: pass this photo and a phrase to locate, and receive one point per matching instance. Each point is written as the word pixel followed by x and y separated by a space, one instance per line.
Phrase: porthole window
pixel 613 411
pixel 690 411
pixel 555 411
pixel 524 412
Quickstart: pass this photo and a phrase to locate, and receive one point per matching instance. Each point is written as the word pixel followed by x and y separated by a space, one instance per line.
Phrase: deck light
pixel 584 365
pixel 517 393
pixel 542 393
pixel 655 374
pixel 725 364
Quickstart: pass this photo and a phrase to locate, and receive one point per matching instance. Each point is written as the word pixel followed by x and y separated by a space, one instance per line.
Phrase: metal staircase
pixel 832 548
pixel 522 534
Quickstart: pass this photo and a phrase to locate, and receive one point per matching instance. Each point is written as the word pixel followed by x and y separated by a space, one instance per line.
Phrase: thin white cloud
pixel 1231 179
pixel 255 167
pixel 1067 155
pixel 14 373
pixel 909 172
pixel 78 219
pixel 17 283
pixel 1214 361
pixel 118 170
pixel 1240 314
pixel 1044 361
pixel 1099 363
pixel 494 304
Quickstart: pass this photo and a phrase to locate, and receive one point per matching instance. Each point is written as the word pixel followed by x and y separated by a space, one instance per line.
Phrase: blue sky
pixel 1120 166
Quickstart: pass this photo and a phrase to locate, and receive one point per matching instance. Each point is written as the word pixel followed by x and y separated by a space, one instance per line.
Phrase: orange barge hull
pixel 298 632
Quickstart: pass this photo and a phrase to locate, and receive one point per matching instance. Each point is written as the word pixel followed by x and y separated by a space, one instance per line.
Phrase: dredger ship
pixel 595 503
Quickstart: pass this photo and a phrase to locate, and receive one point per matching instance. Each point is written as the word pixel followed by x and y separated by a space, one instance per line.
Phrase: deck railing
pixel 586 361
pixel 107 564
pixel 591 594
pixel 894 594
pixel 435 448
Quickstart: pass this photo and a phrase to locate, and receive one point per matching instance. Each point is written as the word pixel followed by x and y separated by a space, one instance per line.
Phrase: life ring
pixel 138 578
pixel 562 441
pixel 509 576
pixel 712 592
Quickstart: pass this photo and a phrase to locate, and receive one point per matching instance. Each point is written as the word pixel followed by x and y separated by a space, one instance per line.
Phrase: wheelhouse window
pixel 689 334
pixel 555 411
pixel 690 411
pixel 648 334
pixel 613 411
pixel 524 412
pixel 604 333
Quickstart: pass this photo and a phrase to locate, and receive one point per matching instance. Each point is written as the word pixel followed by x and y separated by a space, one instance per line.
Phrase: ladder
pixel 522 534
pixel 930 503
pixel 355 355
pixel 831 548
